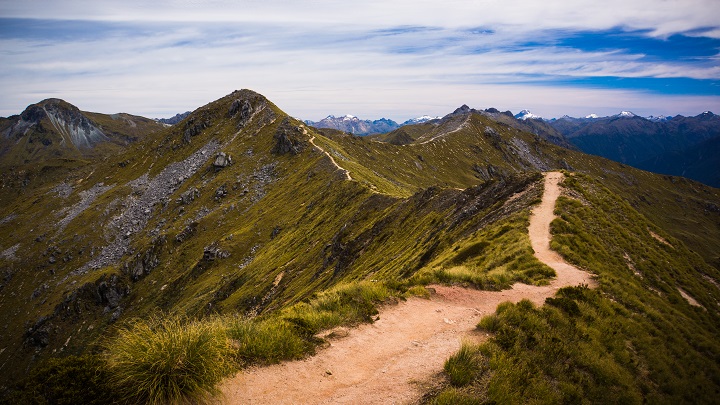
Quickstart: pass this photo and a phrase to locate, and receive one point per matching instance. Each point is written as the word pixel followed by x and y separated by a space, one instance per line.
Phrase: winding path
pixel 393 359
pixel 332 160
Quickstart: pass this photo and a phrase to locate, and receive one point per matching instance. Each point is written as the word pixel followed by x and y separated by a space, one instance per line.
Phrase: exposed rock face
pixel 142 264
pixel 195 126
pixel 186 233
pixel 74 127
pixel 221 193
pixel 213 251
pixel 243 107
pixel 288 138
pixel 249 106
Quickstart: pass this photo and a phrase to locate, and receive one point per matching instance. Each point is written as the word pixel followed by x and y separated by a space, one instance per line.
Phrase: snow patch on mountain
pixel 527 115
pixel 420 120
pixel 625 114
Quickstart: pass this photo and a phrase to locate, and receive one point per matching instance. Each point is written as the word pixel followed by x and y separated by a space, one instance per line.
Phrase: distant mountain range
pixel 681 146
pixel 173 120
pixel 673 145
pixel 356 126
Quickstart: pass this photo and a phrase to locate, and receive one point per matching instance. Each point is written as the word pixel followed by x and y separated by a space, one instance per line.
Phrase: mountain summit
pixel 527 115
pixel 54 128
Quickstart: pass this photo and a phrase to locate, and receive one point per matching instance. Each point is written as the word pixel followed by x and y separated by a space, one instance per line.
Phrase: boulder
pixel 222 160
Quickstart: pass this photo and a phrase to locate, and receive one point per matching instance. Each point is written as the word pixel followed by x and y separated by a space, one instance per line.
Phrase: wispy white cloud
pixel 376 58
pixel 662 17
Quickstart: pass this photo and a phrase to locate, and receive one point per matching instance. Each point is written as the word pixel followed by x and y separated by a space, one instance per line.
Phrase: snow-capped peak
pixel 592 116
pixel 625 114
pixel 420 120
pixel 526 115
pixel 348 117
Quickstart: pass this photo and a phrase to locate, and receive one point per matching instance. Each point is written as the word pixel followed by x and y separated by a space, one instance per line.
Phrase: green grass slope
pixel 635 339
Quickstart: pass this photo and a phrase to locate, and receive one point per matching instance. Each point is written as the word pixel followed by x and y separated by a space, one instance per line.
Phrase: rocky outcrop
pixel 194 126
pixel 213 252
pixel 222 160
pixel 248 105
pixel 102 296
pixel 188 196
pixel 289 138
pixel 186 233
pixel 143 263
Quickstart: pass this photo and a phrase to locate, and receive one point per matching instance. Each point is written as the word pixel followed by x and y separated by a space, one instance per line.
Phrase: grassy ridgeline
pixel 635 339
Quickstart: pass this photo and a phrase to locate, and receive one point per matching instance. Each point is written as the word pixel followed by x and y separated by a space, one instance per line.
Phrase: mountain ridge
pixel 242 209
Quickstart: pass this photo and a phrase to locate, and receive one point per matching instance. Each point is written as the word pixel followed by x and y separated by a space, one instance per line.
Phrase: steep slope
pixel 647 334
pixel 699 162
pixel 409 342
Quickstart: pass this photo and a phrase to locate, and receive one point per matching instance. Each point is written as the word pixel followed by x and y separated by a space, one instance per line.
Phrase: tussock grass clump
pixel 169 361
pixel 343 304
pixel 266 341
pixel 464 366
pixel 454 396
pixel 180 361
pixel 417 291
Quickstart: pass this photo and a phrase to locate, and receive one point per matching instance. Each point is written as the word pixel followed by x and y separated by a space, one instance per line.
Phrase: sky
pixel 396 59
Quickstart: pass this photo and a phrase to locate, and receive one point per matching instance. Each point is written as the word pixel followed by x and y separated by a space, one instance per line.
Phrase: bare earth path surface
pixel 387 361
pixel 332 160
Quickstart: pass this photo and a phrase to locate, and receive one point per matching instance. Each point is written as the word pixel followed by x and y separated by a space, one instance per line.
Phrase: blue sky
pixel 396 59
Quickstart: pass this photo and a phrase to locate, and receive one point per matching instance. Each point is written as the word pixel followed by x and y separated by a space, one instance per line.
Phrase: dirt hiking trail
pixel 391 360
pixel 332 160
